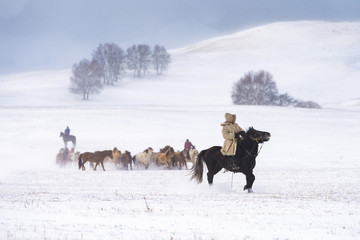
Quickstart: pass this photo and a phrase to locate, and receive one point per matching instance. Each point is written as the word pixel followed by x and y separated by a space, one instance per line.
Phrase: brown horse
pixel 179 159
pixel 96 157
pixel 125 160
pixel 165 158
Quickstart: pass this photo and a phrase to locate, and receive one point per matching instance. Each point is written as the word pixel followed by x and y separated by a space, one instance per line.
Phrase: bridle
pixel 257 141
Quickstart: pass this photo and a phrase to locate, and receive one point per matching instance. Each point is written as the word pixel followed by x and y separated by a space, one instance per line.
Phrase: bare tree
pixel 138 59
pixel 255 88
pixel 86 78
pixel 132 59
pixel 111 60
pixel 144 58
pixel 161 59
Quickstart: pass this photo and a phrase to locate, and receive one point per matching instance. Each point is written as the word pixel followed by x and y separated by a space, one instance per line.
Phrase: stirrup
pixel 235 167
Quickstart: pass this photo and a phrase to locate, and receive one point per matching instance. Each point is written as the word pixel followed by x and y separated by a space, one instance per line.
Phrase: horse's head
pixel 127 153
pixel 170 152
pixel 109 153
pixel 149 150
pixel 126 156
pixel 258 136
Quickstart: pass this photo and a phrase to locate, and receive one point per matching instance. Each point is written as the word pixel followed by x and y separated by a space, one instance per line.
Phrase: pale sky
pixel 54 34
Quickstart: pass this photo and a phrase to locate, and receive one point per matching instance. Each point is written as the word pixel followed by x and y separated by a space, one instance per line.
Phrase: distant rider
pixel 67 131
pixel 187 147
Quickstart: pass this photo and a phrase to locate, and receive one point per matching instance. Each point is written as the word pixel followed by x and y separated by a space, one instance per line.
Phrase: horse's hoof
pixel 250 190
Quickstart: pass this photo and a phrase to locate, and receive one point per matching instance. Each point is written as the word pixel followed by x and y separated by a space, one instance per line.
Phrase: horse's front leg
pixel 250 178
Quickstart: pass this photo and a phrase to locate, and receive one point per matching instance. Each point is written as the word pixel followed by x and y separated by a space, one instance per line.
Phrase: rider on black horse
pixel 231 132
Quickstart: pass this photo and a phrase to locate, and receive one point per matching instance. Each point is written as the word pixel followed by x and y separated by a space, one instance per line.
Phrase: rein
pixel 256 140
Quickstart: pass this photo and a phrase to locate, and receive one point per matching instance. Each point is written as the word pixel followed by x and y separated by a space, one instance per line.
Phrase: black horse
pixel 67 138
pixel 246 153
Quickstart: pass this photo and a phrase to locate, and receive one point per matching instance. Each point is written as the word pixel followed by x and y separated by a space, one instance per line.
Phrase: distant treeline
pixel 109 62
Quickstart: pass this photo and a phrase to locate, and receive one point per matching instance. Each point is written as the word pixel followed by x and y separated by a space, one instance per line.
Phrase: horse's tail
pixel 198 168
pixel 80 161
pixel 134 159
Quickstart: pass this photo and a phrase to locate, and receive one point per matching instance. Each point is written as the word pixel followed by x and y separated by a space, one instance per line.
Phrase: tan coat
pixel 228 131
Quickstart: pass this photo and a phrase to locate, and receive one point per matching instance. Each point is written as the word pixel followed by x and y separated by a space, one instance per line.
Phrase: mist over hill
pixel 310 60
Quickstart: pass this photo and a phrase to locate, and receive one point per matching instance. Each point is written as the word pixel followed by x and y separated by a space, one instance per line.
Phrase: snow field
pixel 306 183
pixel 160 204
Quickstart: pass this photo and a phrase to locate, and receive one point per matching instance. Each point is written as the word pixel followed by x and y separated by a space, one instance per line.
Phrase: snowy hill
pixel 310 60
pixel 317 61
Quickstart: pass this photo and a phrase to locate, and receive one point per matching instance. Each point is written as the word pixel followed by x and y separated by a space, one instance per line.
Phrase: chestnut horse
pixel 96 157
pixel 166 157
pixel 246 153
pixel 180 158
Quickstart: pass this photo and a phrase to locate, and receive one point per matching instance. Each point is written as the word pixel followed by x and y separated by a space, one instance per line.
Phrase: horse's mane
pixel 169 151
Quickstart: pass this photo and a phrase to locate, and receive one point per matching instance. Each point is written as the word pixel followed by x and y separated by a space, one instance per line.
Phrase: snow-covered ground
pixel 307 175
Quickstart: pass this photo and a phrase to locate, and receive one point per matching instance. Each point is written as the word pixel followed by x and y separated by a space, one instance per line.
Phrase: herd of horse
pixel 246 152
pixel 124 160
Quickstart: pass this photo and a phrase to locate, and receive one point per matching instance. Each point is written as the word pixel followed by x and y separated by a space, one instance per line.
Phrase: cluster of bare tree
pixel 109 62
pixel 259 88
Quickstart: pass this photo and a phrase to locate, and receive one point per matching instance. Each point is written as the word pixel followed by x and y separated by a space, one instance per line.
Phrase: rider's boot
pixel 230 163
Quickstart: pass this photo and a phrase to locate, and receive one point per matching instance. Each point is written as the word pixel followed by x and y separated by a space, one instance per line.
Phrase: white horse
pixel 143 158
pixel 193 154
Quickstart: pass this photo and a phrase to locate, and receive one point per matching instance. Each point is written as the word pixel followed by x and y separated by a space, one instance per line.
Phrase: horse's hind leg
pixel 211 173
pixel 96 166
pixel 210 178
pixel 102 165
pixel 82 164
pixel 250 178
